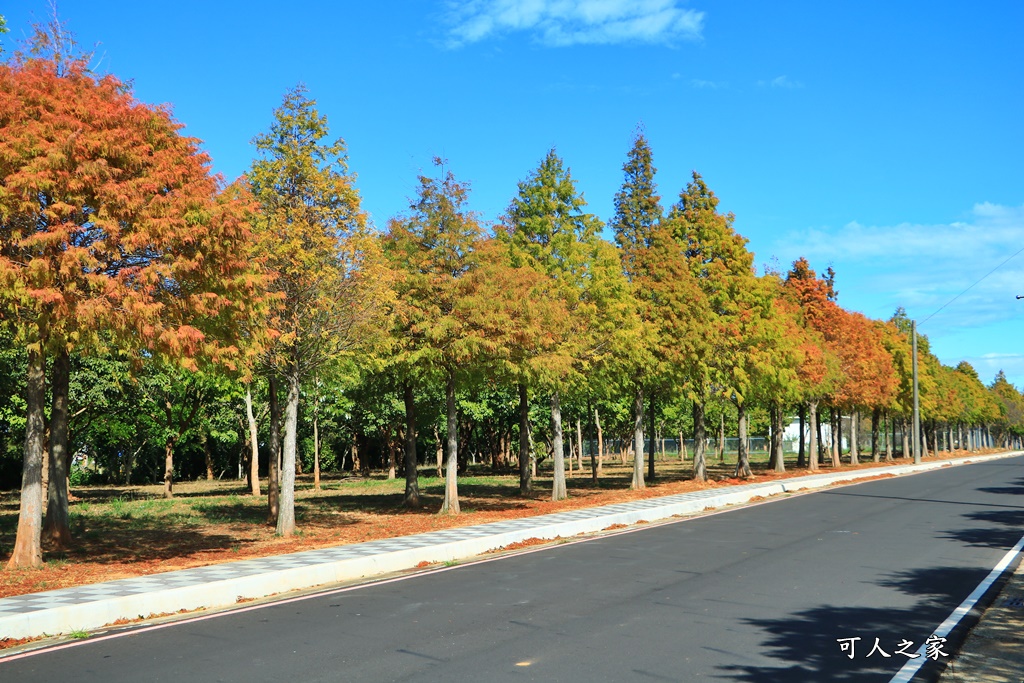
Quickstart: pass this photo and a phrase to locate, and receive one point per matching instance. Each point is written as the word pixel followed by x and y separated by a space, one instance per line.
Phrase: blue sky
pixel 881 138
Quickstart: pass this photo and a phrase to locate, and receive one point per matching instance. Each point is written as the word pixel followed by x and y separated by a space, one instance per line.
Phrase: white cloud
pixel 702 84
pixel 959 280
pixel 559 23
pixel 954 271
pixel 987 365
pixel 989 229
pixel 784 82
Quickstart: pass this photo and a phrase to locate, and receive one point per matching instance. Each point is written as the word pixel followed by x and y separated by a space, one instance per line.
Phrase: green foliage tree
pixel 1011 408
pixel 435 249
pixel 718 260
pixel 329 276
pixel 548 226
pixel 638 216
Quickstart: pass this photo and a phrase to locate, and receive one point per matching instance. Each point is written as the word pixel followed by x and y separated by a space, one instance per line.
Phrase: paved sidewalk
pixel 222 585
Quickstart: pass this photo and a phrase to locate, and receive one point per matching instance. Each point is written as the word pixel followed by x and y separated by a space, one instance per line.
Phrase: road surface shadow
pixel 811 645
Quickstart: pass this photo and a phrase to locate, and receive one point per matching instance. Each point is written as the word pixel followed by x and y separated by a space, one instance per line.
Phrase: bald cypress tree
pixel 548 225
pixel 435 248
pixel 637 204
pixel 332 285
pixel 717 258
pixel 637 214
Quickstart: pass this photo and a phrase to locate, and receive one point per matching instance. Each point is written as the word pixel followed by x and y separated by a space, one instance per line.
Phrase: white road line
pixel 912 666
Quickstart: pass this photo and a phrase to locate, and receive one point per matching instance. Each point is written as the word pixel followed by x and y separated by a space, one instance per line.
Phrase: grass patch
pixel 120 509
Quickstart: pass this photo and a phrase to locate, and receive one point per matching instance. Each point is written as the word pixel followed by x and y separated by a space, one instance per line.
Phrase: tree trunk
pixel 533 450
pixel 721 437
pixel 742 452
pixel 558 491
pixel 812 447
pixel 525 473
pixel 274 465
pixel 438 452
pixel 924 443
pixel 818 455
pixel 875 415
pixel 854 441
pixel 204 437
pixel 316 452
pixel 254 445
pixel 412 481
pixel 169 467
pixel 780 443
pixel 906 438
pixel 28 551
pixel 57 529
pixel 889 442
pixel 592 444
pixel 837 436
pixel 653 437
pixel 600 444
pixel 778 453
pixel 45 472
pixel 451 484
pixel 700 468
pixel 286 512
pixel 391 453
pixel 801 458
pixel 682 447
pixel 638 440
pixel 572 450
pixel 579 445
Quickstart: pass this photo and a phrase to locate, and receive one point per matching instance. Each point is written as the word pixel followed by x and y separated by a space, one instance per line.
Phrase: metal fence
pixel 755 444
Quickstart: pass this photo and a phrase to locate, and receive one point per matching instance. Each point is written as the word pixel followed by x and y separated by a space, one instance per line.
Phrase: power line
pixel 972 286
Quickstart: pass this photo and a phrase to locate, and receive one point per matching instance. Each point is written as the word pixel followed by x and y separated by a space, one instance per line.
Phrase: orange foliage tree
pixel 818 369
pixel 110 227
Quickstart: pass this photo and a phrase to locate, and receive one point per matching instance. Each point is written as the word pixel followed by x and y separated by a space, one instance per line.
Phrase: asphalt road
pixel 758 594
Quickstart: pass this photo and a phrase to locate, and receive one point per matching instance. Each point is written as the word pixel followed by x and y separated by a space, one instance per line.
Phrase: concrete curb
pixel 223 585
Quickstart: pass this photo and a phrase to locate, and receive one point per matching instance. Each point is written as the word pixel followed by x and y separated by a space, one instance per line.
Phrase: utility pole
pixel 917 408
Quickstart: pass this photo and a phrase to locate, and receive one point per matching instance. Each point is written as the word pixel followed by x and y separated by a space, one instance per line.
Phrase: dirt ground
pixel 122 532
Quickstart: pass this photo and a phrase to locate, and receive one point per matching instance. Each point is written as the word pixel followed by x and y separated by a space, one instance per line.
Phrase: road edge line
pixel 910 669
